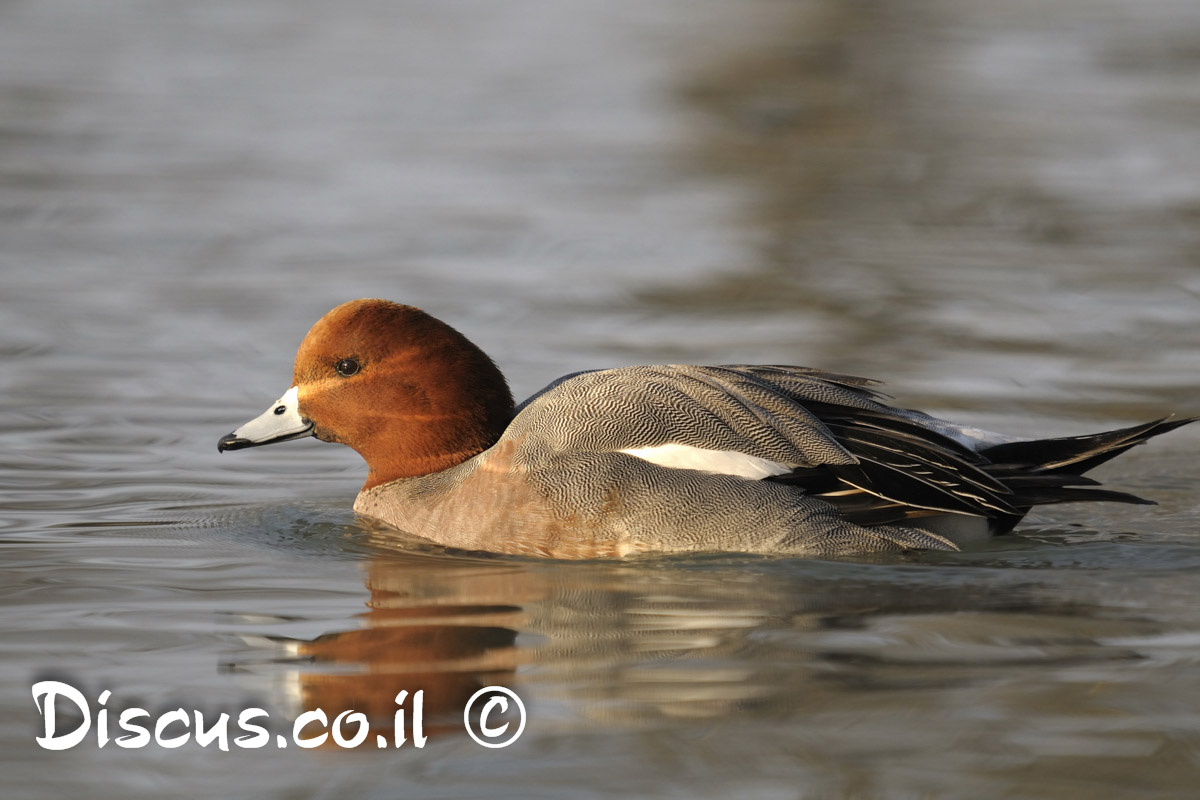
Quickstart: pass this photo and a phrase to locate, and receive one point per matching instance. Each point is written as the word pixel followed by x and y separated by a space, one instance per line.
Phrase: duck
pixel 674 458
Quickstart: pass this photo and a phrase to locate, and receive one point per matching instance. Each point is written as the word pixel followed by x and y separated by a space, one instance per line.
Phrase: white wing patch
pixel 721 462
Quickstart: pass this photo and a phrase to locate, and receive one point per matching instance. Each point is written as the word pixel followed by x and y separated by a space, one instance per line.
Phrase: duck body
pixel 672 458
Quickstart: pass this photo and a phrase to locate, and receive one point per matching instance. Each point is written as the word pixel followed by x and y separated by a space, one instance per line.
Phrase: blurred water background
pixel 993 206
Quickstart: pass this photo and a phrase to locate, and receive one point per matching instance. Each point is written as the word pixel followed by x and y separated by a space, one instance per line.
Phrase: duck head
pixel 409 393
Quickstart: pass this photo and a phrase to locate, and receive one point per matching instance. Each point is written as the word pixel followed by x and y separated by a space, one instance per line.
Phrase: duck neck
pixel 410 445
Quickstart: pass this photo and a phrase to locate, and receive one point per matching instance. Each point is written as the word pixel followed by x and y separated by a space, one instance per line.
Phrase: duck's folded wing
pixel 822 432
pixel 716 409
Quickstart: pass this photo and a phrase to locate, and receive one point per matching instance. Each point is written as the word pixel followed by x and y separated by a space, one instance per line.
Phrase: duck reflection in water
pixel 666 640
pixel 412 640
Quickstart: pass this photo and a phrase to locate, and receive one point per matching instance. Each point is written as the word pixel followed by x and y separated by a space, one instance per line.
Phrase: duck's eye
pixel 347 367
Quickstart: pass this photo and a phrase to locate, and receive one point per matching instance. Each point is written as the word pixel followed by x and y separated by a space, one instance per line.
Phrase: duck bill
pixel 279 423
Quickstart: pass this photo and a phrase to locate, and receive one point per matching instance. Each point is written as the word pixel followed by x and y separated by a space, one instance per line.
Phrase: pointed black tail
pixel 1044 471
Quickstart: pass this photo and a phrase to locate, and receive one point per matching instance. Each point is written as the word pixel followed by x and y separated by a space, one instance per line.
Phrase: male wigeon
pixel 759 459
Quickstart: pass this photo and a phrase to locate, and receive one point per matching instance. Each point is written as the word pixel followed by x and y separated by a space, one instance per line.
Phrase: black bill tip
pixel 231 441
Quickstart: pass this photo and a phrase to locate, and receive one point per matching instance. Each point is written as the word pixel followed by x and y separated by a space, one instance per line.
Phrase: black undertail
pixel 906 470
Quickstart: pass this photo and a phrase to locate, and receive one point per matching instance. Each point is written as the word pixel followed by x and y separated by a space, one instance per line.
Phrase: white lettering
pixel 102 719
pixel 484 728
pixel 258 735
pixel 139 736
pixel 358 718
pixel 178 715
pixel 316 715
pixel 219 731
pixel 398 720
pixel 45 693
pixel 419 737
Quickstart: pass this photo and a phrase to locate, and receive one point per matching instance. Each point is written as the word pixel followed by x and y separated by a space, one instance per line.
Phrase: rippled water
pixel 995 207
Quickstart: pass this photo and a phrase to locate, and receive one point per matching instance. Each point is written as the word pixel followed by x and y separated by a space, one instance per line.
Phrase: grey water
pixel 995 207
